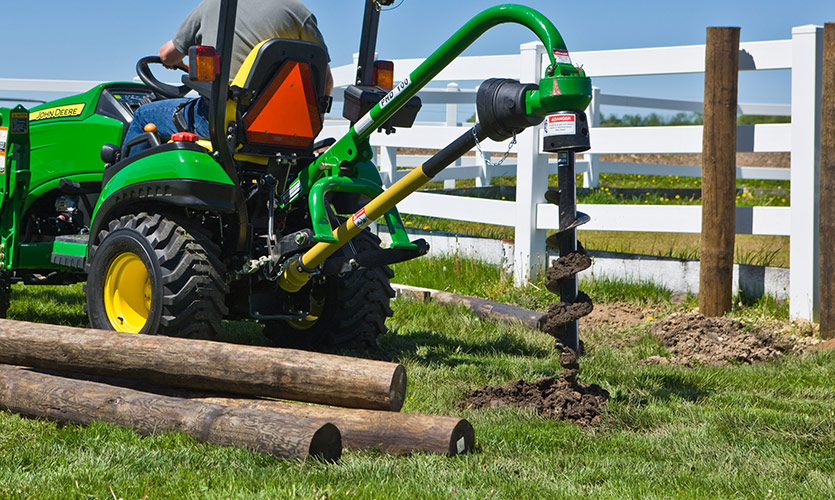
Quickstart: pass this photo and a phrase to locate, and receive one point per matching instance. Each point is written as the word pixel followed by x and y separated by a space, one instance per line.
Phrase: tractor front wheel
pixel 149 274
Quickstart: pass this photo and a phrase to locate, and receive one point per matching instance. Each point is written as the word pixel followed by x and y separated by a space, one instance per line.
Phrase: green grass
pixel 452 273
pixel 732 432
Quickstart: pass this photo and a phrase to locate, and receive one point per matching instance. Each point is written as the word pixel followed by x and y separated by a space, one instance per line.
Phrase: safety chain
pixel 378 4
pixel 487 160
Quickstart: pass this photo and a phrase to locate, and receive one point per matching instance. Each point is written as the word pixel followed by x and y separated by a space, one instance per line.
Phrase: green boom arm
pixel 347 149
pixel 564 88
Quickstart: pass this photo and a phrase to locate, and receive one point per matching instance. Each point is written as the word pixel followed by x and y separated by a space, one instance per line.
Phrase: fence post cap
pixel 806 29
pixel 532 46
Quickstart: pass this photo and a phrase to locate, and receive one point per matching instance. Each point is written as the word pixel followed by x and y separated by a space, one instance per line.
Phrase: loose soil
pixel 564 267
pixel 616 315
pixel 696 340
pixel 556 398
pixel 561 313
pixel 827 345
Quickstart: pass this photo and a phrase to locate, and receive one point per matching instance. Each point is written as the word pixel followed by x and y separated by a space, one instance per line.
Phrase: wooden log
pixel 719 171
pixel 284 435
pixel 397 433
pixel 488 309
pixel 827 187
pixel 205 365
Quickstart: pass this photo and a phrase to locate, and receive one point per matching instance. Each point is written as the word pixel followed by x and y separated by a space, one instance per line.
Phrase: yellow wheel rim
pixel 127 293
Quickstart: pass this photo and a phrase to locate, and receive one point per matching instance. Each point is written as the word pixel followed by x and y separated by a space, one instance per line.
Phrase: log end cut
pixel 398 388
pixel 462 438
pixel 326 444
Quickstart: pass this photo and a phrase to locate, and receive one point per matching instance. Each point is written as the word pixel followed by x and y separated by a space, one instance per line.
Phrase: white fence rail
pixel 532 217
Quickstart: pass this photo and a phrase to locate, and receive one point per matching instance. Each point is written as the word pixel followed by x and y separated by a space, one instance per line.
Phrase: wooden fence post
pixel 719 171
pixel 827 187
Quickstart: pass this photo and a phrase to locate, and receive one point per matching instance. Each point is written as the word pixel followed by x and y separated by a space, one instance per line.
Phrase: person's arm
pixel 171 57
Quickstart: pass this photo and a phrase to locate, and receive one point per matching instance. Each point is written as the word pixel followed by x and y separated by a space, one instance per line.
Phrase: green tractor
pixel 257 221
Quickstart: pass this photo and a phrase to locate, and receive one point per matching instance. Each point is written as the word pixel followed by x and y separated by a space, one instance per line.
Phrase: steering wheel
pixel 161 89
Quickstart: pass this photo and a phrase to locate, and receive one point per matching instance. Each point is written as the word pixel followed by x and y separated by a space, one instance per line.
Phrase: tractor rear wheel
pixel 149 274
pixel 349 311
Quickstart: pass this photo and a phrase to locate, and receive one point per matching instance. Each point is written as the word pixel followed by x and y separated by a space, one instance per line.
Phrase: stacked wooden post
pixel 206 389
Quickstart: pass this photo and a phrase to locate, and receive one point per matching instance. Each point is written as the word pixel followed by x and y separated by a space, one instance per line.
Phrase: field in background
pixel 653 190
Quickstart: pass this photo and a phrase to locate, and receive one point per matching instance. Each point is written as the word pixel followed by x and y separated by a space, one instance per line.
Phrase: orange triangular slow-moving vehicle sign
pixel 286 113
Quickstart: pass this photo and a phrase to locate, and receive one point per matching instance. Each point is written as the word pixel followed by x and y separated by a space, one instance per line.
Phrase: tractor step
pixel 70 250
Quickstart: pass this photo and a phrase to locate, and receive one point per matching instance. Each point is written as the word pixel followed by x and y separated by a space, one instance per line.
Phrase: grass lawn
pixel 733 432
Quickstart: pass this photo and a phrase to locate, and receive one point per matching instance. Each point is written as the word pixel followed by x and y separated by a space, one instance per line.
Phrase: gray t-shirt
pixel 257 20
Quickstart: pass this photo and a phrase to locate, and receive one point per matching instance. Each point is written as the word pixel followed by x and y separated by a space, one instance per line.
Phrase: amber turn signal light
pixel 383 74
pixel 203 63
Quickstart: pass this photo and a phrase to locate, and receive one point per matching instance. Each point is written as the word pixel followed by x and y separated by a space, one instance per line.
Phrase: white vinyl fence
pixel 531 216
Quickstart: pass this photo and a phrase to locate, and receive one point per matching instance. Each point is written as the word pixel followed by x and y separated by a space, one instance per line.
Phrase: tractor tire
pixel 354 308
pixel 152 275
pixel 5 292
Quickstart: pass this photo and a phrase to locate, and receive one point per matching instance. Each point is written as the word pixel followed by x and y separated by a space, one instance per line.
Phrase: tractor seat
pixel 277 98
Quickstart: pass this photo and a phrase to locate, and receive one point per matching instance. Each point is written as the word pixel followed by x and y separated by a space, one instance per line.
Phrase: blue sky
pixel 102 39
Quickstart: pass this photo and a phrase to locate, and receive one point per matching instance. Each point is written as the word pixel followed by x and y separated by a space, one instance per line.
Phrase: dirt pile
pixel 556 398
pixel 696 340
pixel 617 315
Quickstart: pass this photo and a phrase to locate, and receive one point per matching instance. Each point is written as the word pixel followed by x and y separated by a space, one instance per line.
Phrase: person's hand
pixel 182 65
pixel 171 57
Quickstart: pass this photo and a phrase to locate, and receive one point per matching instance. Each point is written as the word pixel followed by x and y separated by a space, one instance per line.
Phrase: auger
pixel 566 134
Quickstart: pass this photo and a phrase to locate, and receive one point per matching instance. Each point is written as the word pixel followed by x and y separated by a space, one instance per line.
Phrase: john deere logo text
pixel 57 112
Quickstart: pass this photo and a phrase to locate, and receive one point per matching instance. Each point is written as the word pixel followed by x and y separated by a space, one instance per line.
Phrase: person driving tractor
pixel 257 20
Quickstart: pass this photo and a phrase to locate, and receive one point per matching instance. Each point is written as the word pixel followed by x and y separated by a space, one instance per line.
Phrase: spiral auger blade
pixel 562 318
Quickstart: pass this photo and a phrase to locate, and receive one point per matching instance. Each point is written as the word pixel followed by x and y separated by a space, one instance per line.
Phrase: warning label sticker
pixel 4 134
pixel 20 122
pixel 361 220
pixel 57 112
pixel 561 125
pixel 562 56
pixel 364 124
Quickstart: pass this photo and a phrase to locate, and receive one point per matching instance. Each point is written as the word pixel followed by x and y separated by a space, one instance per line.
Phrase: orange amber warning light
pixel 383 74
pixel 204 63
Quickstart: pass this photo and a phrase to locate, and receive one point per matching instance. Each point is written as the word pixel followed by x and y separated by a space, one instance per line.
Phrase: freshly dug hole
pixel 556 398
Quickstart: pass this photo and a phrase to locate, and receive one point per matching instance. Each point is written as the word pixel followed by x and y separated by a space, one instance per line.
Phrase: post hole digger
pixel 253 222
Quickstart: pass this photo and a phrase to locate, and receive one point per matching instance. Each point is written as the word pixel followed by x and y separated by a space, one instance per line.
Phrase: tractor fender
pixel 180 175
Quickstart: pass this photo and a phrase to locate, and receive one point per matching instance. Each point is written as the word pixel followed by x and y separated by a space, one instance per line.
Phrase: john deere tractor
pixel 258 221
